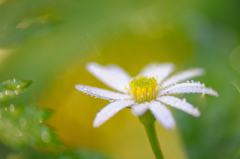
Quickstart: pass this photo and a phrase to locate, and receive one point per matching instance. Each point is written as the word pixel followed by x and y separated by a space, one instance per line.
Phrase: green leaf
pixel 12 87
pixel 14 84
pixel 24 126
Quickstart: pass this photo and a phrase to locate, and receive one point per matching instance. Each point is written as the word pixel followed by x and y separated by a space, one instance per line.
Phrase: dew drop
pixel 40 119
pixel 46 136
pixel 12 108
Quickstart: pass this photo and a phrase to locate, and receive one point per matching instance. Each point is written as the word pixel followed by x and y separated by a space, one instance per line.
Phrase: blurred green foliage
pixel 193 33
pixel 23 126
pixel 14 84
pixel 23 131
pixel 13 87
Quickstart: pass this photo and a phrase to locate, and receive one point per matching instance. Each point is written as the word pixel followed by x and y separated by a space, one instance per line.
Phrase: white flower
pixel 147 91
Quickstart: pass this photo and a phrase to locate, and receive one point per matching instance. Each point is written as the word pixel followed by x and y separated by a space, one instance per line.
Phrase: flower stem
pixel 148 121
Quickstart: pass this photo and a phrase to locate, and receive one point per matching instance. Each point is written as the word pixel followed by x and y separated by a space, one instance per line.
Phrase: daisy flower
pixel 151 90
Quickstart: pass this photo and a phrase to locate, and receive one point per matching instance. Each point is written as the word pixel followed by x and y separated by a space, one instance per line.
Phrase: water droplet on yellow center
pixel 143 89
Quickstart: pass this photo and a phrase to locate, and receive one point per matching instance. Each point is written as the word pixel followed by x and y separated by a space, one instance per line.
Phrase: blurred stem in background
pixel 148 122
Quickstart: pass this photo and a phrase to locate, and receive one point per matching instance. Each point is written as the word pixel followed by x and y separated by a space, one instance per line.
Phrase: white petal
pixel 158 71
pixel 180 86
pixel 184 75
pixel 162 114
pixel 111 75
pixel 140 109
pixel 185 84
pixel 188 88
pixel 179 104
pixel 102 93
pixel 110 110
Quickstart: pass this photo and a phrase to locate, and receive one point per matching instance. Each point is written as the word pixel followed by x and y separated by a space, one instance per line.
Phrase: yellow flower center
pixel 143 89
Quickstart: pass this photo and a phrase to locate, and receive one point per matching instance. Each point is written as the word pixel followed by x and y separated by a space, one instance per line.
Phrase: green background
pixel 53 53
